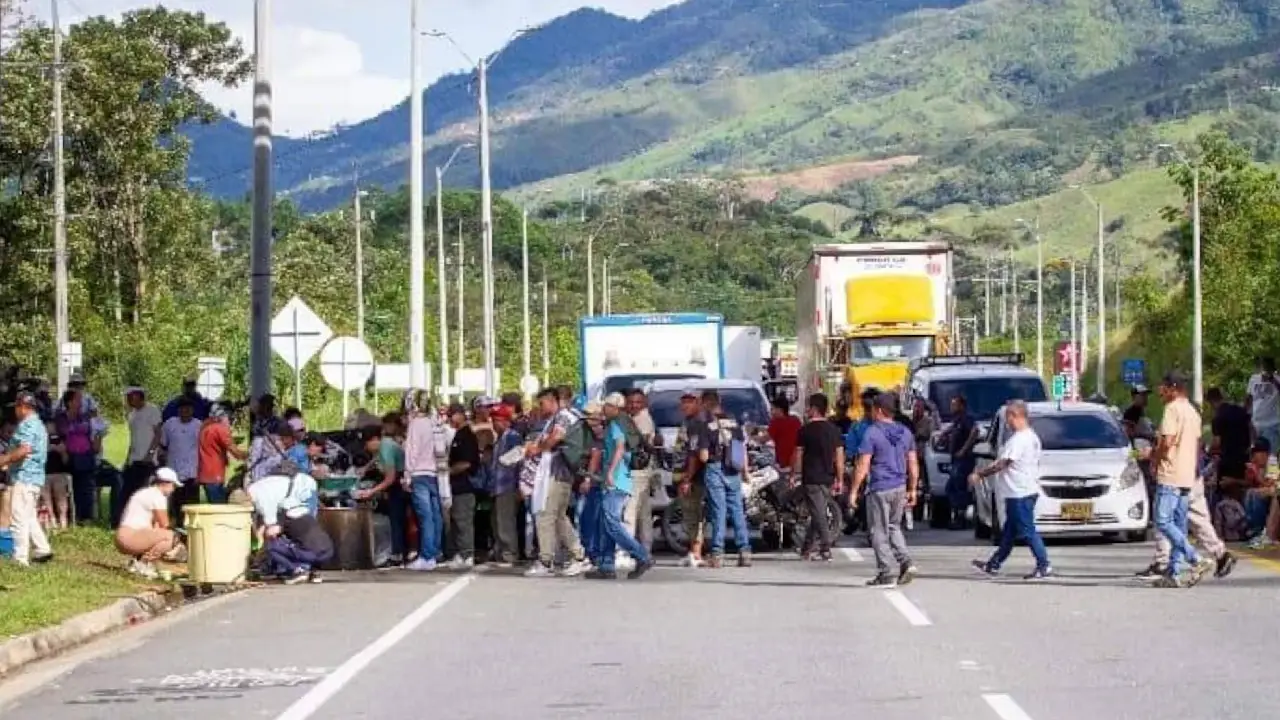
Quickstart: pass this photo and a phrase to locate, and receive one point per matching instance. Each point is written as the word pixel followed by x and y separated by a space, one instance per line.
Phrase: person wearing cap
pixel 482 478
pixel 1176 459
pixel 199 405
pixel 818 467
pixel 724 488
pixel 506 488
pixel 144 421
pixel 888 459
pixel 387 446
pixel 640 510
pixel 88 403
pixel 214 450
pixel 425 449
pixel 615 484
pixel 589 508
pixel 692 487
pixel 1263 401
pixel 553 491
pixel 24 458
pixel 1139 396
pixel 464 463
pixel 145 533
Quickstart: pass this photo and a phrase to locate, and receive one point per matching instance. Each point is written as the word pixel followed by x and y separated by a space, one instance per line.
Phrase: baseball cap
pixel 690 394
pixel 616 399
pixel 484 401
pixel 76 379
pixel 1139 389
pixel 594 408
pixel 165 474
pixel 886 402
pixel 26 398
pixel 502 412
pixel 1175 379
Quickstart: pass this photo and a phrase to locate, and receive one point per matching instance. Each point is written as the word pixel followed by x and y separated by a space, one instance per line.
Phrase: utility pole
pixel 546 332
pixel 604 287
pixel 442 282
pixel 462 261
pixel 1084 319
pixel 1075 355
pixel 417 239
pixel 1102 305
pixel 591 275
pixel 260 259
pixel 1197 337
pixel 524 256
pixel 486 227
pixel 61 312
pixel 359 278
pixel 1017 337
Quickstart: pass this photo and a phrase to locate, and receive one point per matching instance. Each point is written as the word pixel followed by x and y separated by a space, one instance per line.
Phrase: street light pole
pixel 1075 355
pixel 591 275
pixel 417 240
pixel 359 279
pixel 524 256
pixel 1197 336
pixel 1101 286
pixel 442 280
pixel 61 312
pixel 604 287
pixel 260 256
pixel 546 332
pixel 462 261
pixel 486 227
pixel 1035 229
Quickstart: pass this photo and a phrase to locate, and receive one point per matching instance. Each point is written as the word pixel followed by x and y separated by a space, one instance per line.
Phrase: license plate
pixel 1077 511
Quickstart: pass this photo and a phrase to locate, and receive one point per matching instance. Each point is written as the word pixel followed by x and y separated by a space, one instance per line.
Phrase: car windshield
pixel 868 351
pixel 1078 432
pixel 622 383
pixel 746 405
pixel 985 395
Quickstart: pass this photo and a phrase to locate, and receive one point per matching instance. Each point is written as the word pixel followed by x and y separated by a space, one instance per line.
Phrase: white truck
pixel 619 352
pixel 742 353
pixel 865 309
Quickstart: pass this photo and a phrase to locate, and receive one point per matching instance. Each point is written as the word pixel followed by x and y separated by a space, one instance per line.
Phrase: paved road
pixel 781 639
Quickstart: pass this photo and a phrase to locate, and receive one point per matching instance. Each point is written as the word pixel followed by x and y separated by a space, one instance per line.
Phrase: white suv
pixel 1089 481
pixel 986 382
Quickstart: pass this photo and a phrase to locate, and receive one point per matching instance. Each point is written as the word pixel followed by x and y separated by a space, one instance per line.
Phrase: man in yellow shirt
pixel 1175 458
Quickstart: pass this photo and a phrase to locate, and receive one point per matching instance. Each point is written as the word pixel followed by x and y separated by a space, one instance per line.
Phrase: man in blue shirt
pixel 615 479
pixel 888 457
pixel 25 458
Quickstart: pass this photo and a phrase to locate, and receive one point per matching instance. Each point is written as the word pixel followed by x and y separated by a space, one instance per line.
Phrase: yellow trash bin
pixel 218 542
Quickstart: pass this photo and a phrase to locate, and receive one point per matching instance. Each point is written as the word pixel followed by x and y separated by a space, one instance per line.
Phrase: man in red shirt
pixel 784 430
pixel 215 450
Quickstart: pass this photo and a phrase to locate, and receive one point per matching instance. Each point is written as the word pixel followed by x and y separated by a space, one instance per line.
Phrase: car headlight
pixel 1131 476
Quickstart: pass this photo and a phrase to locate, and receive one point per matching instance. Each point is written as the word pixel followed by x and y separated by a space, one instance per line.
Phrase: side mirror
pixel 984 450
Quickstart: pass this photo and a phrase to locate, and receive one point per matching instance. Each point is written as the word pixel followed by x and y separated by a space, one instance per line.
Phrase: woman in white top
pixel 144 531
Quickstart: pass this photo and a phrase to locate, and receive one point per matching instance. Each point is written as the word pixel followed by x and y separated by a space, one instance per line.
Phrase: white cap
pixel 165 474
pixel 616 399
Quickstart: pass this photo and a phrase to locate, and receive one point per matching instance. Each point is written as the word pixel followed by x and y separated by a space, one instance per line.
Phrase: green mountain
pixel 1003 99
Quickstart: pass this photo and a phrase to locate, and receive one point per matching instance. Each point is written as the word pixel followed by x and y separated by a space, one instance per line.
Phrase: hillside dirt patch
pixel 823 178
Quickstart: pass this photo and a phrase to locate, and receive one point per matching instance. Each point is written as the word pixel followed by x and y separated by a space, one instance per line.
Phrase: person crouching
pixel 296 545
pixel 145 532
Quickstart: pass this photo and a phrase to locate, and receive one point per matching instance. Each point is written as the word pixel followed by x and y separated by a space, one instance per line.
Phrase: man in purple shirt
pixel 888 456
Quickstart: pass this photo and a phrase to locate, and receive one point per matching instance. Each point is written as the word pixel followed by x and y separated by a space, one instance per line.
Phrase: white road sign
pixel 392 377
pixel 210 383
pixel 72 355
pixel 297 333
pixel 346 364
pixel 472 379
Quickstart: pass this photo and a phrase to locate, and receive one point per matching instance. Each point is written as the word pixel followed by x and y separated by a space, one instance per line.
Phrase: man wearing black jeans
pixel 819 464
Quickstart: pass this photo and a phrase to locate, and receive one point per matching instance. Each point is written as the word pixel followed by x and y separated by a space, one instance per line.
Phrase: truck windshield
pixel 985 395
pixel 746 405
pixel 868 351
pixel 622 383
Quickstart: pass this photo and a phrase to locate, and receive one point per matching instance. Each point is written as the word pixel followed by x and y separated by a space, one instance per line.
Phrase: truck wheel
pixel 673 529
pixel 939 513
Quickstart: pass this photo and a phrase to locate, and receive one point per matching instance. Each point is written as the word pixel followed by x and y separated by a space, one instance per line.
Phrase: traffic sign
pixel 211 383
pixel 529 385
pixel 472 379
pixel 1060 382
pixel 1065 355
pixel 297 333
pixel 346 364
pixel 1133 371
pixel 71 355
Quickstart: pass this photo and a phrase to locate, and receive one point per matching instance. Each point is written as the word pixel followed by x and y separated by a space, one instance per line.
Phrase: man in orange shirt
pixel 215 450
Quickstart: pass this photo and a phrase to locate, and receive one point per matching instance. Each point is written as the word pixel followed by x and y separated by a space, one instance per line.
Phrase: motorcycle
pixel 774 508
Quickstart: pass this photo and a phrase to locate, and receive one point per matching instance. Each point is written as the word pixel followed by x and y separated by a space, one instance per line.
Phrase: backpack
pixel 731 445
pixel 575 448
pixel 640 448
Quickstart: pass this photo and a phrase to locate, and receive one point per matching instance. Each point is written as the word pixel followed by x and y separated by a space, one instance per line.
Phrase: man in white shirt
pixel 1018 486
pixel 1263 401
pixel 144 436
pixel 180 438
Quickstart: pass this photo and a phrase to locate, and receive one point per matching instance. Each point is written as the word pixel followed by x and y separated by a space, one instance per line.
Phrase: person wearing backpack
pixel 615 482
pixel 726 462
pixel 640 510
pixel 563 445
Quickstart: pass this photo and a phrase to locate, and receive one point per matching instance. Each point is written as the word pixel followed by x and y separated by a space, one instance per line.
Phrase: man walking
pixel 424 447
pixel 724 481
pixel 615 479
pixel 640 510
pixel 819 465
pixel 888 458
pixel 553 526
pixel 692 487
pixel 1175 458
pixel 1018 485
pixel 960 437
pixel 144 429
pixel 24 459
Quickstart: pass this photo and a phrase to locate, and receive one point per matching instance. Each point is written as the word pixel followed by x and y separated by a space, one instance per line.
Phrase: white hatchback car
pixel 1089 480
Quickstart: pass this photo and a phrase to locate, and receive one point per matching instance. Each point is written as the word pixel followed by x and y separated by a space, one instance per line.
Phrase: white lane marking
pixel 323 691
pixel 1005 707
pixel 851 554
pixel 908 609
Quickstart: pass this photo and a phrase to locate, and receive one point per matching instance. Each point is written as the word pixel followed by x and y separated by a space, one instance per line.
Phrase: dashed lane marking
pixel 322 692
pixel 1005 707
pixel 851 554
pixel 908 609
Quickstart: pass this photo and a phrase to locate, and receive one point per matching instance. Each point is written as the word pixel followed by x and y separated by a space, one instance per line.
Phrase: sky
pixel 342 61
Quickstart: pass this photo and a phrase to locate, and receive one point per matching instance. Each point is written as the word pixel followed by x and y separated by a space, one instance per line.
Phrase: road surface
pixel 783 639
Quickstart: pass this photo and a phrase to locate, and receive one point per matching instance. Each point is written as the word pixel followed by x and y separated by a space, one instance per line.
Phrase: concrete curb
pixel 42 644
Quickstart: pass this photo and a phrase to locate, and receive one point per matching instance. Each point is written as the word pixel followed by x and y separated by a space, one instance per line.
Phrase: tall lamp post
pixel 1101 290
pixel 1034 228
pixel 1197 330
pixel 260 257
pixel 441 279
pixel 417 239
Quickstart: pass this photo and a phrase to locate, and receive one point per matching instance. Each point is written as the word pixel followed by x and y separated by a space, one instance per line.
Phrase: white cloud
pixel 342 61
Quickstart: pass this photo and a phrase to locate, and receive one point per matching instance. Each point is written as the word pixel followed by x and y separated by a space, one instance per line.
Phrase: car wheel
pixel 673 529
pixel 939 513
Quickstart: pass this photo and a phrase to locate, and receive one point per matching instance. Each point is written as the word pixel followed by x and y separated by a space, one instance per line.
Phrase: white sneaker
pixel 538 570
pixel 690 561
pixel 624 562
pixel 1261 542
pixel 145 569
pixel 421 565
pixel 575 568
pixel 461 564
